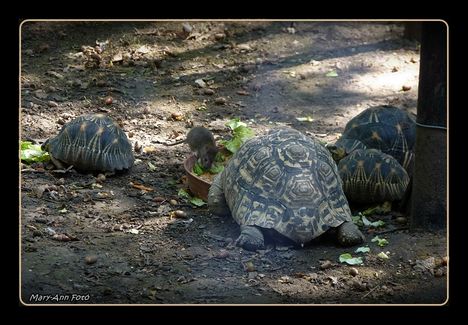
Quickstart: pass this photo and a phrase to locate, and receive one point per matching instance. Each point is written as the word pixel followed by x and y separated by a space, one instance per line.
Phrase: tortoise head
pixel 344 147
pixel 337 152
pixel 45 146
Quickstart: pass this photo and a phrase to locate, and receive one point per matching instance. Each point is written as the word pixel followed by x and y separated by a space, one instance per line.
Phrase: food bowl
pixel 199 187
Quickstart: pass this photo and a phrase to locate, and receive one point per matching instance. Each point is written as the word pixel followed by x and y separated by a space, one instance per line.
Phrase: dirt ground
pixel 123 244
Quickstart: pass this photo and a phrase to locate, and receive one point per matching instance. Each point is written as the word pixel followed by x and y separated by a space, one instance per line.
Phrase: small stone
pixel 91 259
pixel 180 214
pixel 101 178
pixel 220 101
pixel 405 88
pixel 177 116
pixel 51 103
pixel 41 94
pixel 358 285
pixel 222 254
pixel 172 202
pixel 37 233
pixel 219 36
pixel 440 272
pixel 244 47
pixel 187 28
pixel 159 199
pixel 252 275
pixel 200 83
pixel 353 271
pixel 326 265
pixel 444 260
pixel 249 266
pixel 401 220
pixel 208 91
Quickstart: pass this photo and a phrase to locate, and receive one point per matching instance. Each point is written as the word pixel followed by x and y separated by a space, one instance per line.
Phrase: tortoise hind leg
pixel 348 234
pixel 250 238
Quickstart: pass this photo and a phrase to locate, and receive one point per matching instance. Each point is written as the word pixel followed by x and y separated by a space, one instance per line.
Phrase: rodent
pixel 202 142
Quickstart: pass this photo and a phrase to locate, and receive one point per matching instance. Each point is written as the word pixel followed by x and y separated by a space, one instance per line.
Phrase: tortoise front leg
pixel 57 163
pixel 216 199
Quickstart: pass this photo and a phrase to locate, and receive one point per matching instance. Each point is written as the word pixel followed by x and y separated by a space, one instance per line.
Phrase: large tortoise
pixel 386 128
pixel 371 176
pixel 92 142
pixel 283 183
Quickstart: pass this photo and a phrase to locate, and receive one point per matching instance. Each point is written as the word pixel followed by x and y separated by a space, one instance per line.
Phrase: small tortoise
pixel 91 143
pixel 371 176
pixel 386 128
pixel 283 183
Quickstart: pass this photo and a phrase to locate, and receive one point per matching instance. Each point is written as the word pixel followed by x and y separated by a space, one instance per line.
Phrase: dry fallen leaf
pixel 141 187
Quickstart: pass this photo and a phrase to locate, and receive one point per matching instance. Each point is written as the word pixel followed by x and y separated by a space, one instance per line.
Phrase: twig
pixel 390 230
pixel 62 171
pixel 112 90
pixel 152 32
pixel 31 170
pixel 373 289
pixel 38 101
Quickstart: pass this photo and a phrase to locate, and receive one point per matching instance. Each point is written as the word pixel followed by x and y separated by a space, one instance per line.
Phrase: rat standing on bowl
pixel 201 141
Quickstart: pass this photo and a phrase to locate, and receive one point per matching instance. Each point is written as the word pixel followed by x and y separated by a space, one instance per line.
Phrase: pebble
pixel 219 36
pixel 444 260
pixel 220 101
pixel 400 220
pixel 252 275
pixel 101 178
pixel 208 91
pixel 180 214
pixel 326 265
pixel 177 116
pixel 91 259
pixel 200 83
pixel 353 271
pixel 222 254
pixel 249 267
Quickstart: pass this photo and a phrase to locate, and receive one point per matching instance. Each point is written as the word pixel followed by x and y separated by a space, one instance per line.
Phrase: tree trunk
pixel 429 193
pixel 412 30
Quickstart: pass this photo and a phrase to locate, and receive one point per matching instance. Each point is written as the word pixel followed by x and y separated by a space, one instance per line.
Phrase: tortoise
pixel 386 128
pixel 371 176
pixel 283 185
pixel 91 142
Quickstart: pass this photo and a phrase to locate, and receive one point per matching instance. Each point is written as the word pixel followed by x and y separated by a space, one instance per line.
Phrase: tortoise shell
pixel 92 143
pixel 371 176
pixel 284 181
pixel 386 128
